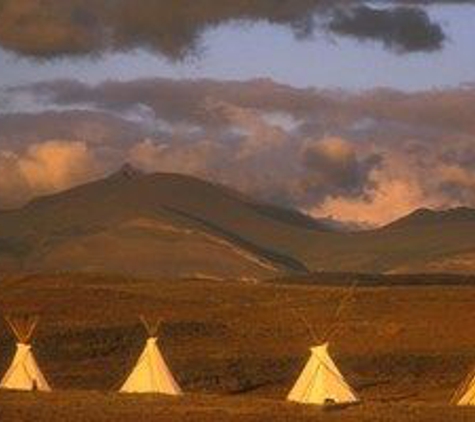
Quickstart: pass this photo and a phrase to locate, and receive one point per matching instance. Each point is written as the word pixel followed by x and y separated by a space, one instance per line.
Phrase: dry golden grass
pixel 236 348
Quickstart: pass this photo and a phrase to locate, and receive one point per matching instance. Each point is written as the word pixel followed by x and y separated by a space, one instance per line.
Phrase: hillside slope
pixel 164 224
pixel 179 226
pixel 424 241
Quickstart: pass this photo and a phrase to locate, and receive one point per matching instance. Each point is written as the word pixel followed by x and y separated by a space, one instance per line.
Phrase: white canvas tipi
pixel 321 382
pixel 465 395
pixel 151 373
pixel 24 373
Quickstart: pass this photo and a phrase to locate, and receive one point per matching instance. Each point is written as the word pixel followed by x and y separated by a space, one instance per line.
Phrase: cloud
pixel 184 100
pixel 369 156
pixel 258 136
pixel 395 190
pixel 202 157
pixel 56 165
pixel 44 168
pixel 404 29
pixel 18 130
pixel 49 28
pixel 282 169
pixel 411 175
pixel 335 168
pixel 393 198
pixel 190 102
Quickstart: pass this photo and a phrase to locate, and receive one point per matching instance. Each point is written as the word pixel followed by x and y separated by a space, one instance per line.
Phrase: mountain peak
pixel 128 171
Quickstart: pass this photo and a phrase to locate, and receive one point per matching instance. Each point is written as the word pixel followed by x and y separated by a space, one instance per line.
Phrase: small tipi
pixel 465 395
pixel 24 372
pixel 151 373
pixel 321 382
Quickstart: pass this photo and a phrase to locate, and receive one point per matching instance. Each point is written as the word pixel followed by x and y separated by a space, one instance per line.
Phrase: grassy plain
pixel 236 348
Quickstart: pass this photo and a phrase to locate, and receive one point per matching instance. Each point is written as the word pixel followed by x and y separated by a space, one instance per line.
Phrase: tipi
pixel 24 373
pixel 151 373
pixel 465 395
pixel 321 382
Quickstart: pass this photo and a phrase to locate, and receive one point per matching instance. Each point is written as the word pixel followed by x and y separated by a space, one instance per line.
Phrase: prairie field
pixel 236 348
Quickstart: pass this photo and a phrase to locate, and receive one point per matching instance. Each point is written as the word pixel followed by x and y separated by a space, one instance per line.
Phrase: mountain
pixel 166 224
pixel 178 226
pixel 426 241
pixel 434 240
pixel 426 216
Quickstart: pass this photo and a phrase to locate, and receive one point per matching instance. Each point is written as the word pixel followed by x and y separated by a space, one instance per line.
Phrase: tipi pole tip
pixel 151 328
pixel 22 325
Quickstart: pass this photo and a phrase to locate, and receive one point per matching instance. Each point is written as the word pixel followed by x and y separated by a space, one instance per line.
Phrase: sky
pixel 353 110
pixel 252 49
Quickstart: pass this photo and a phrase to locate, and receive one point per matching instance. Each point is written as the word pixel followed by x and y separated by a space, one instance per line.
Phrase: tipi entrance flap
pixel 321 382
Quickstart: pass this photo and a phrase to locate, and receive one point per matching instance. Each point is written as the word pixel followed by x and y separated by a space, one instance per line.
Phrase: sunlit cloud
pixel 44 168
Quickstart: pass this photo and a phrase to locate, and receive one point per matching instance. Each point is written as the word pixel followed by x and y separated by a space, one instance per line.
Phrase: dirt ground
pixel 236 348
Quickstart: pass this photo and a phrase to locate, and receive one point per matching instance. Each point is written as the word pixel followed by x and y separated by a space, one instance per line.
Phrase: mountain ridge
pixel 430 216
pixel 177 225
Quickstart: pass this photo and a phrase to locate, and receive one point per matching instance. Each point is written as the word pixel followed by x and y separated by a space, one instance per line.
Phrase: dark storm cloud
pixel 51 28
pixel 405 29
pixel 47 28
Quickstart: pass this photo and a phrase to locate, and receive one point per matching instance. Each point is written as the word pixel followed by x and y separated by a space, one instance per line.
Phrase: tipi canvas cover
pixel 151 373
pixel 321 382
pixel 465 396
pixel 24 373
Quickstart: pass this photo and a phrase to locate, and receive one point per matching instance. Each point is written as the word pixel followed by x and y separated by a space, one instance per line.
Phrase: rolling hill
pixel 178 226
